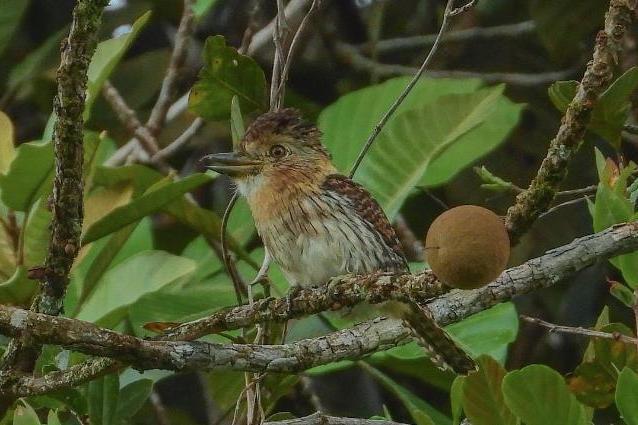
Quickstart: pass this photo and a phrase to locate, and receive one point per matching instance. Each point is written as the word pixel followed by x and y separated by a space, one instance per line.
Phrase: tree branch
pixel 599 74
pixel 476 33
pixel 352 56
pixel 547 270
pixel 591 333
pixel 180 50
pixel 321 419
pixel 67 207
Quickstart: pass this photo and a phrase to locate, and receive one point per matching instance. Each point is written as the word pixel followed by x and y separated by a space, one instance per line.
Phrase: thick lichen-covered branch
pixel 547 270
pixel 67 197
pixel 531 203
pixel 321 419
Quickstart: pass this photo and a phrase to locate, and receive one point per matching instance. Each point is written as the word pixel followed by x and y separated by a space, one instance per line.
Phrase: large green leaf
pixel 126 283
pixel 483 401
pixel 414 139
pixel 103 395
pixel 7 149
pixel 347 123
pixel 29 176
pixel 488 332
pixel 18 289
pixel 36 233
pixel 538 396
pixel 227 73
pixel 31 173
pixel 154 199
pixel 627 396
pixel 107 55
pixel 102 255
pixel 610 113
pixel 422 413
pixel 131 399
pixel 29 68
pixel 181 304
pixel 25 415
pixel 611 206
pixel 11 12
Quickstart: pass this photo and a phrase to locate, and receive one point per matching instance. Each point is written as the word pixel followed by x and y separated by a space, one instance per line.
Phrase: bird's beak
pixel 233 164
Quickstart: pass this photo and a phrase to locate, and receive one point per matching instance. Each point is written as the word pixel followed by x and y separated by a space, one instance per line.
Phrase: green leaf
pixel 538 396
pixel 106 57
pixel 29 68
pixel 127 282
pixel 562 25
pixel 29 176
pixel 422 413
pixel 181 304
pixel 627 396
pixel 226 73
pixel 31 173
pixel 483 401
pixel 414 139
pixel 153 200
pixel 622 294
pixel 131 399
pixel 36 233
pixel 25 415
pixel 456 399
pixel 7 149
pixel 18 289
pixel 103 399
pixel 610 113
pixel 52 418
pixel 487 332
pixel 11 12
pixel 612 206
pixel 492 181
pixel 347 123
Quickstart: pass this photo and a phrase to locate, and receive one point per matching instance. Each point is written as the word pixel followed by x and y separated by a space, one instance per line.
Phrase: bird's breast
pixel 314 238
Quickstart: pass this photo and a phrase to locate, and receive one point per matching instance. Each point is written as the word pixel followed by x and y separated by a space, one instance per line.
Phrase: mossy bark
pixel 67 197
pixel 531 203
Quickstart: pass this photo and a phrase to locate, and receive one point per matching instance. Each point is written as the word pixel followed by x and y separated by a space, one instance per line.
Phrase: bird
pixel 317 223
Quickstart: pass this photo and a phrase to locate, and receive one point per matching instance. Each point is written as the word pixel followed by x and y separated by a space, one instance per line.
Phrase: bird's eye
pixel 278 151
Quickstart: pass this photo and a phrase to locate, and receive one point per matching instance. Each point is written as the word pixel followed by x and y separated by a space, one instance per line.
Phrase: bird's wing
pixel 366 207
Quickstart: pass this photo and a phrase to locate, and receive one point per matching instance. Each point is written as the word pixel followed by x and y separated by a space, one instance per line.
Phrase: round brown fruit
pixel 467 247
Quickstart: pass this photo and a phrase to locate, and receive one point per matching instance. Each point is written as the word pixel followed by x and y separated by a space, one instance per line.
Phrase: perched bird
pixel 316 223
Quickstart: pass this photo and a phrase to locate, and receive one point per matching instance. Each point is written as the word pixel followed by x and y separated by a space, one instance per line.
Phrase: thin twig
pixel 464 8
pixel 617 336
pixel 352 56
pixel 128 117
pixel 477 33
pixel 228 261
pixel 180 51
pixel 399 100
pixel 293 12
pixel 277 64
pixel 161 415
pixel 177 144
pixel 563 204
pixel 283 78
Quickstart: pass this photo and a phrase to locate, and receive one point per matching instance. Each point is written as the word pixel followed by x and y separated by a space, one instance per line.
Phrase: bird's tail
pixel 442 348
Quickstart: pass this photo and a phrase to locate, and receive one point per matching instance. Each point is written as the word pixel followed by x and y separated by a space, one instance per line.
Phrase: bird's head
pixel 278 149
